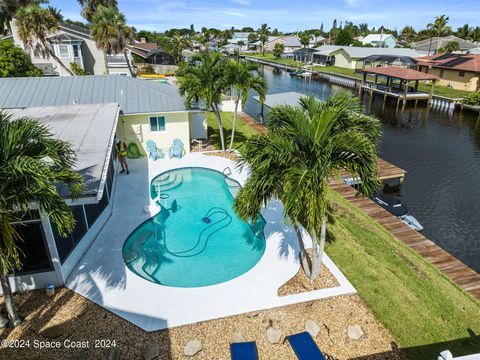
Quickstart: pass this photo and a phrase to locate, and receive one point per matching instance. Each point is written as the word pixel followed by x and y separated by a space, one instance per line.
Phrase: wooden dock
pixel 464 276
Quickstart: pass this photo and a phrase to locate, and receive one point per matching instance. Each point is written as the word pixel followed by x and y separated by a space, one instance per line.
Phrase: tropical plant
pixel 449 47
pixel 203 80
pixel 90 7
pixel 14 62
pixel 35 25
pixel 438 28
pixel 263 33
pixel 305 146
pixel 408 34
pixel 278 50
pixel 475 35
pixel 78 70
pixel 473 98
pixel 33 162
pixel 243 77
pixel 464 31
pixel 110 32
pixel 175 46
pixel 304 39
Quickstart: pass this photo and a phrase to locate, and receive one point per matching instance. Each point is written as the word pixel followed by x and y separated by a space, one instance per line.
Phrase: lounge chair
pixel 154 152
pixel 244 351
pixel 304 347
pixel 176 150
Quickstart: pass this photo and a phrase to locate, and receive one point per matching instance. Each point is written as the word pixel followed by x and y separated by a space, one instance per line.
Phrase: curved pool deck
pixel 102 276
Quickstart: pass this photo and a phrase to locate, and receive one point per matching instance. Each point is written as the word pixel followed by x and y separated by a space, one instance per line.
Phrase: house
pixel 353 57
pixel 459 71
pixel 430 46
pixel 150 53
pixel 379 40
pixel 74 44
pixel 240 37
pixel 231 49
pixel 304 54
pixel 316 41
pixel 291 43
pixel 89 111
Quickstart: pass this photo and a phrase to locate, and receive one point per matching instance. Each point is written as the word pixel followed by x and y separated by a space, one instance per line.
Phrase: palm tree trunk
pixel 9 303
pixel 62 65
pixel 128 63
pixel 318 250
pixel 303 253
pixel 220 125
pixel 235 113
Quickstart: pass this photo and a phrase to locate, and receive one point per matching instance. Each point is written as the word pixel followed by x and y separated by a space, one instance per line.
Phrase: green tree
pixel 175 46
pixel 305 39
pixel 243 77
pixel 305 146
pixel 438 28
pixel 263 33
pixel 14 62
pixel 343 37
pixel 464 31
pixel 450 47
pixel 203 79
pixel 475 35
pixel 111 33
pixel 32 165
pixel 35 24
pixel 78 70
pixel 278 50
pixel 90 7
pixel 408 34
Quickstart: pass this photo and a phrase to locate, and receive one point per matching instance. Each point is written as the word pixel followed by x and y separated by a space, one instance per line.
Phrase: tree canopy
pixel 15 63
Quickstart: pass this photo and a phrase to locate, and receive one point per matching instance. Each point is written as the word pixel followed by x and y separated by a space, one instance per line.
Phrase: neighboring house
pixel 429 46
pixel 240 37
pixel 74 44
pixel 459 71
pixel 150 53
pixel 352 57
pixel 379 40
pixel 291 43
pixel 316 41
pixel 231 49
pixel 304 54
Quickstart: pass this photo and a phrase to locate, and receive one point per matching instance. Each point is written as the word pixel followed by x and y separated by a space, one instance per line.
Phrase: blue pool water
pixel 196 239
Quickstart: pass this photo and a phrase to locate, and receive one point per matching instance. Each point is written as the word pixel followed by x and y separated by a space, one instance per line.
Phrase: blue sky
pixel 286 15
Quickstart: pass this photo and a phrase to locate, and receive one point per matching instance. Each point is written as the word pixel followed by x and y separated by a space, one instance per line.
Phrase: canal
pixel 440 152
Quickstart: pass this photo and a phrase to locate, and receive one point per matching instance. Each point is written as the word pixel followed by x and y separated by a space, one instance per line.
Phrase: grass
pixel 269 57
pixel 242 130
pixel 424 310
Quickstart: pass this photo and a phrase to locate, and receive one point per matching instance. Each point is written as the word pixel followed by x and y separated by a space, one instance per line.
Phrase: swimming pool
pixel 196 239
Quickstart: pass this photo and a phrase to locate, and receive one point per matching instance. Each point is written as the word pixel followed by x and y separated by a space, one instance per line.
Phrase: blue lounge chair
pixel 176 149
pixel 154 152
pixel 304 347
pixel 244 351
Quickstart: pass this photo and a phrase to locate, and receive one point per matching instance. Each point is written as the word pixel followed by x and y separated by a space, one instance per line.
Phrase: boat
pixel 301 73
pixel 394 206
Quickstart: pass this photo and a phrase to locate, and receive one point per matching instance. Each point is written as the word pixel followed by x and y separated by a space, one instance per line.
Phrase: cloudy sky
pixel 286 15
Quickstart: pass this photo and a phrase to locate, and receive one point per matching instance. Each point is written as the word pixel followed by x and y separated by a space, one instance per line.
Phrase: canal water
pixel 440 152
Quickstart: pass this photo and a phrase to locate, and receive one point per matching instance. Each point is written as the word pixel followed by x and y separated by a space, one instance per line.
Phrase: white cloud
pixel 243 2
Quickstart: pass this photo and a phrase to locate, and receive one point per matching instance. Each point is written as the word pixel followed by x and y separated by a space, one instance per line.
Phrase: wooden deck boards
pixel 464 276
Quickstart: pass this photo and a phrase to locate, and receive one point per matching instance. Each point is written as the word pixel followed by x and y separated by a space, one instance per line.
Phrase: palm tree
pixel 32 164
pixel 203 79
pixel 475 35
pixel 305 39
pixel 175 46
pixel 110 32
pixel 90 7
pixel 35 26
pixel 464 31
pixel 263 33
pixel 243 77
pixel 408 34
pixel 438 28
pixel 307 145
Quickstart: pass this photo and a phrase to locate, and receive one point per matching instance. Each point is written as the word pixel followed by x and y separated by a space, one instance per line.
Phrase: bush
pixel 473 98
pixel 14 62
pixel 77 69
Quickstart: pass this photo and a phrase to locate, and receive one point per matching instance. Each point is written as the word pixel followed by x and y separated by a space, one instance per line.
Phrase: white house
pixel 379 40
pixel 240 37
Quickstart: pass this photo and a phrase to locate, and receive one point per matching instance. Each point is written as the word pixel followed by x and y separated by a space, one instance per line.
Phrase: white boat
pixel 395 207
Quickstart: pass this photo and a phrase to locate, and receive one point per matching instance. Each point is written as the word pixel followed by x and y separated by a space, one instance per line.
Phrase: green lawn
pixel 425 312
pixel 242 130
pixel 269 57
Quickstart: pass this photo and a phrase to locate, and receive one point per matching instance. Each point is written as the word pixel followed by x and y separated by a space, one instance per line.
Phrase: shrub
pixel 473 98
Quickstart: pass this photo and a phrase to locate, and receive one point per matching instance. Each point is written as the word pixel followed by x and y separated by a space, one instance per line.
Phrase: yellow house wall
pixel 136 128
pixel 469 82
pixel 343 60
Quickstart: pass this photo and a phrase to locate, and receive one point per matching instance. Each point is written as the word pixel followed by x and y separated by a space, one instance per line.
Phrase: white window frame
pixel 164 122
pixel 60 51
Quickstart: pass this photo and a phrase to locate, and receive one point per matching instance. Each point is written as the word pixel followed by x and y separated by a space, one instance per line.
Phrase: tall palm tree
pixel 475 35
pixel 408 34
pixel 243 77
pixel 203 79
pixel 32 164
pixel 90 7
pixel 464 31
pixel 36 26
pixel 438 28
pixel 263 33
pixel 305 146
pixel 111 33
pixel 175 46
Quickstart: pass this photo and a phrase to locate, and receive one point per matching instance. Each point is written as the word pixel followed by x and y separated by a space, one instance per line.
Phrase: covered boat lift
pixel 397 83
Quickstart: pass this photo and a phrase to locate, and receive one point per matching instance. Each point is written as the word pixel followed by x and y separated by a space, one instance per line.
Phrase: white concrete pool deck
pixel 102 276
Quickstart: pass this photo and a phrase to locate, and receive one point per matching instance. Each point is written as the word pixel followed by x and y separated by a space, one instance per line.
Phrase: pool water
pixel 196 239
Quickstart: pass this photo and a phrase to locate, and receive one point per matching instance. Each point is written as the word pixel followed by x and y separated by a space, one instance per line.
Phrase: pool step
pixel 164 184
pixel 172 185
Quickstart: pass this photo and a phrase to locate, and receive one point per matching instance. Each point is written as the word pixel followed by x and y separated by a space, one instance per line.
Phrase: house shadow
pixel 459 347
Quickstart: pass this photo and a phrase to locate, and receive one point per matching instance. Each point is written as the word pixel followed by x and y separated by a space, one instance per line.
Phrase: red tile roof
pixel 400 73
pixel 460 62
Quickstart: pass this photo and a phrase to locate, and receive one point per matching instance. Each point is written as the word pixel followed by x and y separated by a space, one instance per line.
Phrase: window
pixel 76 51
pixel 157 123
pixel 34 254
pixel 63 49
pixel 441 73
pixel 66 245
pixel 461 73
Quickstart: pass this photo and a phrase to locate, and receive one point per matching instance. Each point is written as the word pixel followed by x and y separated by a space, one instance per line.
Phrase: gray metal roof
pixel 135 96
pixel 438 42
pixel 287 98
pixel 90 129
